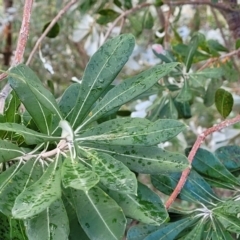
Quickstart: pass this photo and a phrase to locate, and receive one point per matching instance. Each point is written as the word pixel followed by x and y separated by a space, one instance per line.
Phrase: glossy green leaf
pixel 130 131
pixel 106 16
pixel 229 156
pixel 9 151
pixel 12 108
pixel 129 89
pixel 220 232
pixel 54 31
pixel 68 99
pixel 101 70
pixel 196 189
pixel 98 214
pixel 185 93
pixel 51 223
pixel 146 207
pixel 11 229
pixel 31 137
pixel 41 194
pixel 114 174
pixel 12 186
pixel 212 169
pixel 149 160
pixel 171 230
pixel 76 175
pixel 140 231
pixel 223 102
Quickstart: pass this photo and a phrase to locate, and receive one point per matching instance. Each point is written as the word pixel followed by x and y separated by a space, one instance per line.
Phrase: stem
pixel 197 144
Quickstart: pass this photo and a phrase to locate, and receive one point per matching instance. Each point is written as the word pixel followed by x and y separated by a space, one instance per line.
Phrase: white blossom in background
pixel 47 64
pixel 142 106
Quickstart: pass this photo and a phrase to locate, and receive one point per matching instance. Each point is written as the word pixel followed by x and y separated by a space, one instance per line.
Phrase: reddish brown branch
pixel 192 153
pixel 53 22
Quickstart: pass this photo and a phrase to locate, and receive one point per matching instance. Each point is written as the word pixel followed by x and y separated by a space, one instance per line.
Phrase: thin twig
pixel 197 144
pixel 53 22
pixel 123 15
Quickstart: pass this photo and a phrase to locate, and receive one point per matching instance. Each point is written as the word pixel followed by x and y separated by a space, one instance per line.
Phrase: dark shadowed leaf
pixel 98 214
pixel 54 30
pixel 209 98
pixel 146 207
pixel 149 160
pixel 52 223
pixel 223 102
pixel 106 16
pixel 196 189
pixel 128 90
pixel 76 175
pixel 101 70
pixel 36 198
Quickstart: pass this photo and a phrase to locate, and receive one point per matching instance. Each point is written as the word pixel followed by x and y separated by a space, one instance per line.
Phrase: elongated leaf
pixel 146 207
pixel 196 189
pixel 11 111
pixel 99 215
pixel 31 137
pixel 76 175
pixel 223 102
pixel 229 156
pixel 24 74
pixel 171 230
pixel 9 151
pixel 132 132
pixel 149 160
pixel 114 174
pixel 209 166
pixel 209 98
pixel 52 223
pixel 11 229
pixel 129 89
pixel 140 231
pixel 14 185
pixel 101 70
pixel 197 232
pixel 68 99
pixel 18 81
pixel 41 194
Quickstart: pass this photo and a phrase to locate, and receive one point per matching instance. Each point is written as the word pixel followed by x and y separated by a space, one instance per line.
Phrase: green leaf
pixel 229 156
pixel 101 70
pixel 11 111
pixel 149 160
pixel 38 101
pixel 148 20
pixel 9 151
pixel 114 174
pixel 14 184
pixel 223 102
pixel 136 25
pixel 129 89
pixel 237 44
pixel 171 230
pixel 185 93
pixel 52 223
pixel 215 47
pixel 11 229
pixel 106 16
pixel 197 232
pixel 212 169
pixel 54 30
pixel 126 131
pixel 211 90
pixel 41 194
pixel 98 214
pixel 146 207
pixel 68 99
pixel 31 137
pixel 196 189
pixel 192 48
pixel 140 231
pixel 76 175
